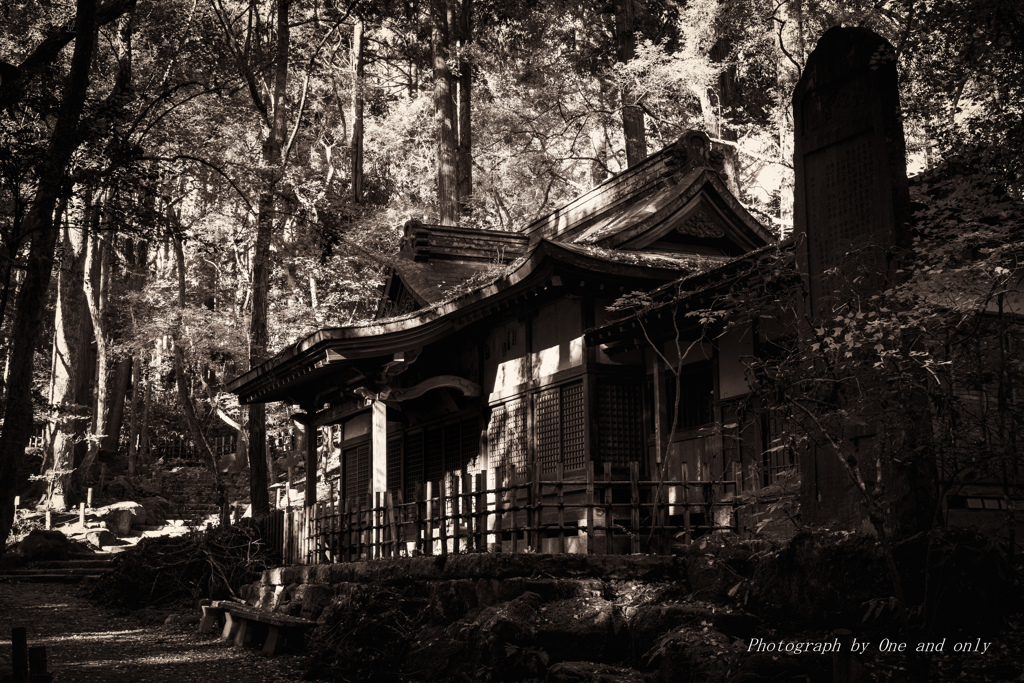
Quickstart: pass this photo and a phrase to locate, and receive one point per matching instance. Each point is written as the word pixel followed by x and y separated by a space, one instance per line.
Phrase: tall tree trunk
pixel 185 397
pixel 632 115
pixel 465 105
pixel 138 371
pixel 136 276
pixel 18 413
pixel 726 102
pixel 97 251
pixel 259 496
pixel 115 414
pixel 66 395
pixel 444 117
pixel 356 144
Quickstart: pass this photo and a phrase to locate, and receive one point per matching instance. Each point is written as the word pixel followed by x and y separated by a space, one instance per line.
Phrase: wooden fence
pixel 518 513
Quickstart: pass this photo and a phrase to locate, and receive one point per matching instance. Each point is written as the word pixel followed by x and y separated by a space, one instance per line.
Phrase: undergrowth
pixel 164 571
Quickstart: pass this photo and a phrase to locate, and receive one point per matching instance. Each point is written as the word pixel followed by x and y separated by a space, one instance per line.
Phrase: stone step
pixel 91 563
pixel 55 571
pixel 47 577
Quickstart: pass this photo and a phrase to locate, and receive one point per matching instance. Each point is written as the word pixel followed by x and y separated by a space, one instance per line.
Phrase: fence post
pixel 467 507
pixel 19 654
pixel 534 513
pixel 560 492
pixel 429 519
pixel 514 507
pixel 634 513
pixel 442 514
pixel 737 485
pixel 658 509
pixel 686 504
pixel 375 527
pixel 480 489
pixel 590 508
pixel 346 530
pixel 456 517
pixel 37 664
pixel 499 508
pixel 422 514
pixel 357 510
pixel 608 519
pixel 397 528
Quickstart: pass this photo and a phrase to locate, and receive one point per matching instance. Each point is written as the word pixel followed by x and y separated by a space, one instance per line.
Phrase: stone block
pixel 44 545
pixel 581 628
pixel 102 538
pixel 591 672
pixel 121 517
pixel 313 598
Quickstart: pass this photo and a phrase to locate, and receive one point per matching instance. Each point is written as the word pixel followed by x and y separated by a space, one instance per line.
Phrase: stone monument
pixel 850 214
pixel 851 197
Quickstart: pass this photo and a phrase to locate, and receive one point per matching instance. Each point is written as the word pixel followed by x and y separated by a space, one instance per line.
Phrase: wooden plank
pixel 480 491
pixel 467 509
pixel 609 521
pixel 514 508
pixel 428 548
pixel 421 519
pixel 591 533
pixel 211 615
pixel 442 515
pixel 377 526
pixel 534 511
pixel 684 477
pixel 273 642
pixel 243 633
pixel 499 508
pixel 456 518
pixel 560 496
pixel 634 511
pixel 19 654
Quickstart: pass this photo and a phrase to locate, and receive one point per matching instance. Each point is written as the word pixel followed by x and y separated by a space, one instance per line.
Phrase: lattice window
pixel 547 427
pixel 558 426
pixel 507 434
pixel 619 421
pixel 395 463
pixel 357 473
pixel 573 456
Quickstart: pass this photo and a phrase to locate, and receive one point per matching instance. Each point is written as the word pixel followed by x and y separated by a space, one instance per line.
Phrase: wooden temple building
pixel 485 406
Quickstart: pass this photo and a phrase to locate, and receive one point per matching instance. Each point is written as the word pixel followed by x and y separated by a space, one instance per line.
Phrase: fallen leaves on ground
pixel 86 643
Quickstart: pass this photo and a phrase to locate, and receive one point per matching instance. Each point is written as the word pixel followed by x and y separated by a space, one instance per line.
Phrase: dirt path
pixel 89 643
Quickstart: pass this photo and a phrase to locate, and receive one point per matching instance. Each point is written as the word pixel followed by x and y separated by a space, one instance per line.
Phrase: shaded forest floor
pixel 86 643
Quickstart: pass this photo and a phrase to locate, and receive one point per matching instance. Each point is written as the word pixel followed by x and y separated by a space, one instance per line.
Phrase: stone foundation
pixel 460 582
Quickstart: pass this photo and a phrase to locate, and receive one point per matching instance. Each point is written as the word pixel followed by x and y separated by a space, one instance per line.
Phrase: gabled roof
pixel 546 268
pixel 677 189
pixel 433 259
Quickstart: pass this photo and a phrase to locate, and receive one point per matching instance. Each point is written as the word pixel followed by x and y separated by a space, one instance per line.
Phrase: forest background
pixel 187 186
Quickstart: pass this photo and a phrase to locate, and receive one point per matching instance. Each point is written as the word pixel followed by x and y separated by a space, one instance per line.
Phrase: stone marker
pixel 19 654
pixel 851 197
pixel 850 221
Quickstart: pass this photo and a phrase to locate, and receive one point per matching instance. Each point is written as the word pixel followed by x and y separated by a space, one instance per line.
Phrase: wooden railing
pixel 519 512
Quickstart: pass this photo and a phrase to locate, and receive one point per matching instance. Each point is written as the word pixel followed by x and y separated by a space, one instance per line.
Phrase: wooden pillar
pixel 311 455
pixel 378 448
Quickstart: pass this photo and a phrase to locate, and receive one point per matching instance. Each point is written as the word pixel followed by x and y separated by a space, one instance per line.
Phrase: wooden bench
pixel 244 624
